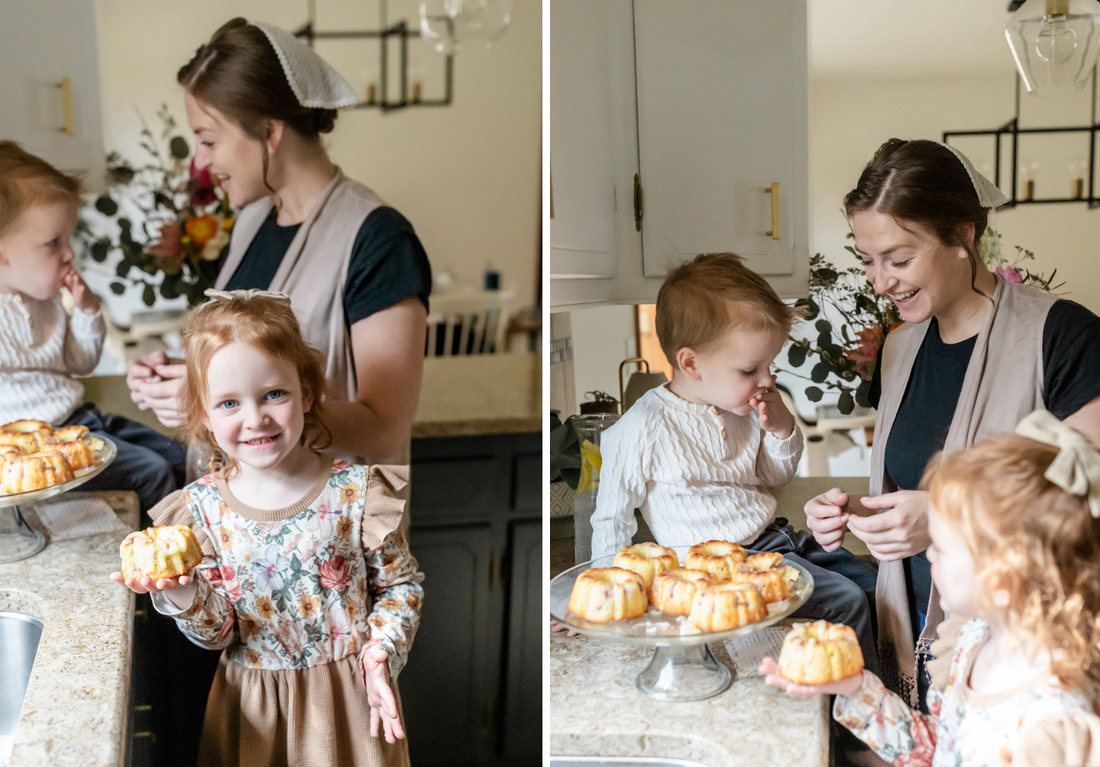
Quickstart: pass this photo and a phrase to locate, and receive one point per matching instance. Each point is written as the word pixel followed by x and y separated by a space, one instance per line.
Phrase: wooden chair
pixel 467 323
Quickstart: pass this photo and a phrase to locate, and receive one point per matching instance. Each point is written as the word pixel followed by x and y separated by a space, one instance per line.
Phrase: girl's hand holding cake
pixel 846 687
pixel 373 664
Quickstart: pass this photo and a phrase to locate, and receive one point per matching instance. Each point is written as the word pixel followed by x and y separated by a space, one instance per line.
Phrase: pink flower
pixel 226 577
pixel 227 627
pixel 1010 274
pixel 870 341
pixel 334 573
pixel 202 187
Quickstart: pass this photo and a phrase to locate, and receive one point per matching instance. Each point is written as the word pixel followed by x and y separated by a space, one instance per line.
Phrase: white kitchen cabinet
pixel 708 104
pixel 43 43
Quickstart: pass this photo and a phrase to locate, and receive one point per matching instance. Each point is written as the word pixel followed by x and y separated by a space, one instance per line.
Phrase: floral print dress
pixel 963 728
pixel 292 596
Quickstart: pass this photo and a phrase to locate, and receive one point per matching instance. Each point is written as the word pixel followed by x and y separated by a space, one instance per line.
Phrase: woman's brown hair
pixel 925 183
pixel 239 74
pixel 1030 539
pixel 265 324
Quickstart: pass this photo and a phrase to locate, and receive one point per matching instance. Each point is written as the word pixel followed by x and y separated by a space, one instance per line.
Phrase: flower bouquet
pixel 182 216
pixel 852 321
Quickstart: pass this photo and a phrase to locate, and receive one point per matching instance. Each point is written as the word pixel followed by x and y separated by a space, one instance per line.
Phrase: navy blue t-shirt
pixel 1071 380
pixel 388 263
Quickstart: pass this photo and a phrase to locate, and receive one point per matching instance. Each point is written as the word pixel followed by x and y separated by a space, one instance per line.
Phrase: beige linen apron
pixel 1003 383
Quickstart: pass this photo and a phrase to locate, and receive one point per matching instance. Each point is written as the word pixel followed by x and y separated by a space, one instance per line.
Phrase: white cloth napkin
pixel 748 651
pixel 64 518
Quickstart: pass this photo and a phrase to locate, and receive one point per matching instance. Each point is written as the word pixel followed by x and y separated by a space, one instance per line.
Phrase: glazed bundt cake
pixel 159 552
pixel 79 455
pixel 727 606
pixel 647 559
pixel 674 590
pixel 27 434
pixel 34 472
pixel 608 594
pixel 820 652
pixel 719 558
pixel 766 572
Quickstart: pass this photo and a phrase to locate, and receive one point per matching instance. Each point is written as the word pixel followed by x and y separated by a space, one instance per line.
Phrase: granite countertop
pixel 74 712
pixel 595 710
pixel 459 396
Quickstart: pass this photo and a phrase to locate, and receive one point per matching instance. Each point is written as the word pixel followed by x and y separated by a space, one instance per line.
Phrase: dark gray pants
pixel 844 585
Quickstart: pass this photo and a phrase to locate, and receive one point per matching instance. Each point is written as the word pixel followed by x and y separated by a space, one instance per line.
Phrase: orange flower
pixel 308 606
pixel 343 527
pixel 201 229
pixel 249 626
pixel 265 608
pixel 252 658
pixel 350 493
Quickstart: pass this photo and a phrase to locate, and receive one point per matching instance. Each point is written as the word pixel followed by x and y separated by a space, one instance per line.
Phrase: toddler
pixel 696 455
pixel 306 584
pixel 1016 559
pixel 42 348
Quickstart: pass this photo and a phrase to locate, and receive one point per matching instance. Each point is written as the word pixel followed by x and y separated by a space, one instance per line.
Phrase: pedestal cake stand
pixel 682 667
pixel 18 540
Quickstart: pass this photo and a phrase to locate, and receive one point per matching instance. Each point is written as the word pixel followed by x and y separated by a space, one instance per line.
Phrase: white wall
pixel 602 339
pixel 466 175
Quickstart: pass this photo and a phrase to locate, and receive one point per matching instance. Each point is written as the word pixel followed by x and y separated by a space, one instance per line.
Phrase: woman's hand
pixel 900 531
pixel 847 687
pixel 155 383
pixel 373 664
pixel 827 517
pixel 181 590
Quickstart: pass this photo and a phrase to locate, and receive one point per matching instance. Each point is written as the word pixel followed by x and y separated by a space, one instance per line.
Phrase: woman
pixel 258 101
pixel 356 273
pixel 975 355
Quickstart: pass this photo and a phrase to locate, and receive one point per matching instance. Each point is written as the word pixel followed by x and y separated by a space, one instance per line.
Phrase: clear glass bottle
pixel 588 428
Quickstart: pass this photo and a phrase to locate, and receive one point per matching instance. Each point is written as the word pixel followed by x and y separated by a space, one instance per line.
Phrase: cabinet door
pixel 583 191
pixel 450 687
pixel 41 42
pixel 722 115
pixel 523 675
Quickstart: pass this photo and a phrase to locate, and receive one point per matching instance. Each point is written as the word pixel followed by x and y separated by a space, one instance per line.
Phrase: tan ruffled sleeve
pixel 384 501
pixel 943 650
pixel 173 511
pixel 1062 741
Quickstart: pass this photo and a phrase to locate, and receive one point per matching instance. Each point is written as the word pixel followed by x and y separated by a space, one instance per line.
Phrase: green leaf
pixel 823 326
pixel 170 287
pixel 118 288
pixel 814 394
pixel 812 309
pixel 178 147
pixel 100 249
pixel 827 275
pixel 162 199
pixel 819 373
pixel 861 394
pixel 148 295
pixel 125 224
pixel 295 565
pixel 105 205
pixel 123 267
pixel 797 355
pixel 846 404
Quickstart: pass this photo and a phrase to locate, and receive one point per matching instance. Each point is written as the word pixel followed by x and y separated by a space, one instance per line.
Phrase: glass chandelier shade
pixel 451 24
pixel 1055 44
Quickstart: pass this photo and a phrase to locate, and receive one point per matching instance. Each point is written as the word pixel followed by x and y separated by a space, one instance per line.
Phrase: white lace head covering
pixel 989 195
pixel 313 80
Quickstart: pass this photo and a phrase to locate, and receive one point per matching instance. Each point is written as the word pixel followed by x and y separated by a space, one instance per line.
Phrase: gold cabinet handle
pixel 773 190
pixel 66 86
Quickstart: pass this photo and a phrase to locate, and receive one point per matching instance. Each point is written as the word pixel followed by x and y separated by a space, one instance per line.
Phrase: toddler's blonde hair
pixel 1031 539
pixel 704 298
pixel 265 324
pixel 26 180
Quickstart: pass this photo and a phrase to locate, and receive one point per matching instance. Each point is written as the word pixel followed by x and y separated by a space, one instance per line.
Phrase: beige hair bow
pixel 228 295
pixel 1076 469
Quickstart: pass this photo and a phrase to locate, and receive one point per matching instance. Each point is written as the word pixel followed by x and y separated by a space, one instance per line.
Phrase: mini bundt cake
pixel 9 451
pixel 727 606
pixel 27 434
pixel 719 558
pixel 67 434
pixel 34 472
pixel 647 559
pixel 602 594
pixel 766 572
pixel 820 652
pixel 79 455
pixel 159 552
pixel 673 590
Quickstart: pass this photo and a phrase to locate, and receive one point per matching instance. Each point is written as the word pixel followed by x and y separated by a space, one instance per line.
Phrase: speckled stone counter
pixel 595 710
pixel 74 712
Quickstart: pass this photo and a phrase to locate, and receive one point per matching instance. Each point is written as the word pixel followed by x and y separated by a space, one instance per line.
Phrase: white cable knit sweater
pixel 696 472
pixel 41 348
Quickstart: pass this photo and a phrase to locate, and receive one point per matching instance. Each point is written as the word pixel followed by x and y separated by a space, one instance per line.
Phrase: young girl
pixel 1016 558
pixel 306 582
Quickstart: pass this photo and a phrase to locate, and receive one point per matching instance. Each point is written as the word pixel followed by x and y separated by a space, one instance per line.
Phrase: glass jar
pixel 588 428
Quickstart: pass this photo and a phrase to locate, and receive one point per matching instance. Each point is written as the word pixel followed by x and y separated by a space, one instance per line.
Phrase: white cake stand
pixel 682 667
pixel 18 540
